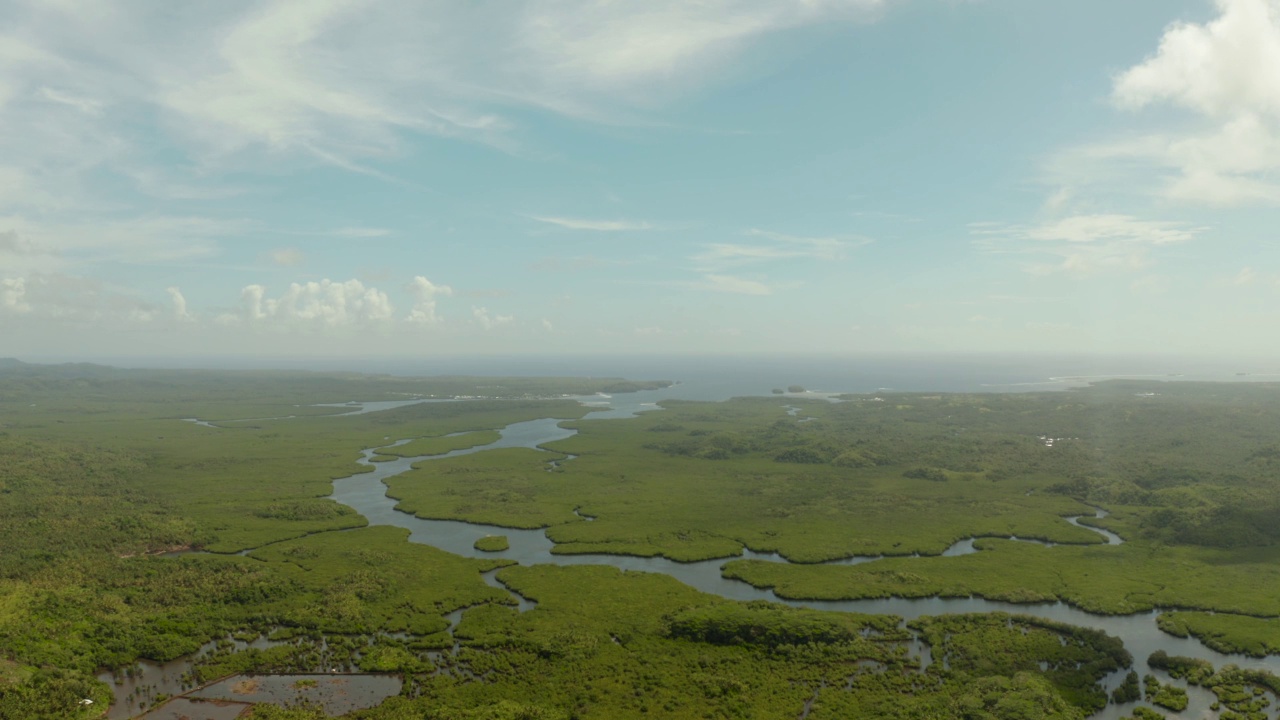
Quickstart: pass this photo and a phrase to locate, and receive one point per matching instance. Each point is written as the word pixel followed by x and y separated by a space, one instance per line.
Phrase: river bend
pixel 366 493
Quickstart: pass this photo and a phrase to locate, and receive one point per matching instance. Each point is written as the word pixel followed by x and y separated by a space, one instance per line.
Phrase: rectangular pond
pixel 336 693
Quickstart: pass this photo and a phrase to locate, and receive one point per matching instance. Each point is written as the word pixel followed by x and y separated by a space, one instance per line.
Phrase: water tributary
pixel 366 493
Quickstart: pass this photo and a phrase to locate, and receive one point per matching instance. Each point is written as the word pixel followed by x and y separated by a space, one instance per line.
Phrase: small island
pixel 492 543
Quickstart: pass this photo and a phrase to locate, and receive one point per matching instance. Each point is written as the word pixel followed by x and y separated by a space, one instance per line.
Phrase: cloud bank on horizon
pixel 838 176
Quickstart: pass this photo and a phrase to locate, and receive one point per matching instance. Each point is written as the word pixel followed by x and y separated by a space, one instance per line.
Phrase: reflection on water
pixel 337 694
pixel 190 709
pixel 137 687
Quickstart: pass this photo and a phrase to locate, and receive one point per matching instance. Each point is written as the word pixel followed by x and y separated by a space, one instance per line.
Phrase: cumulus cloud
pixel 1227 73
pixel 323 305
pixel 13 295
pixel 488 321
pixel 1083 243
pixel 424 294
pixel 179 305
pixel 1225 68
pixel 59 298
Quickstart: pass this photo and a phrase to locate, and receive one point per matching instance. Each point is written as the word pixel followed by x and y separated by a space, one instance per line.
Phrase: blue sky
pixel 372 177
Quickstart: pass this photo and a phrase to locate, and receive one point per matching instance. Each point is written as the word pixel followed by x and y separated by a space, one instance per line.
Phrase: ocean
pixel 717 377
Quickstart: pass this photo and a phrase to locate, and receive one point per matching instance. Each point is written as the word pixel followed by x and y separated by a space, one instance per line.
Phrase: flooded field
pixel 191 709
pixel 336 693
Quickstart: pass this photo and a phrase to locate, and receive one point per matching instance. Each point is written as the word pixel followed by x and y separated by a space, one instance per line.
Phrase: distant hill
pixel 79 370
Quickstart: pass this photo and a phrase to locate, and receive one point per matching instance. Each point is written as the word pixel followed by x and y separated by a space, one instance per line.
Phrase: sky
pixel 381 178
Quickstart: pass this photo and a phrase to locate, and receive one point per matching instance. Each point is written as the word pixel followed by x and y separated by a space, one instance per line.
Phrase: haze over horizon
pixel 365 179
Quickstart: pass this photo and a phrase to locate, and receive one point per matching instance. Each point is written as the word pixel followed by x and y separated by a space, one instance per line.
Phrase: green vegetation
pixel 725 480
pixel 1073 659
pixel 1111 580
pixel 1170 697
pixel 1226 633
pixel 492 543
pixel 101 478
pixel 770 625
pixel 647 645
pixel 99 473
pixel 1242 692
pixel 1129 691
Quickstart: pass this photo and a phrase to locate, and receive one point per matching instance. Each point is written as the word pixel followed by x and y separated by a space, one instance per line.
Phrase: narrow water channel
pixel 366 493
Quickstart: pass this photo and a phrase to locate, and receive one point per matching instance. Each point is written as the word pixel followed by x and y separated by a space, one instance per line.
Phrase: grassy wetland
pixel 107 486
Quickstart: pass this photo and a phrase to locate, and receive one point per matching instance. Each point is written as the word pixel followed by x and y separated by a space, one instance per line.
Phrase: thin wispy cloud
pixel 55 246
pixel 344 81
pixel 1083 243
pixel 341 232
pixel 287 257
pixel 779 246
pixel 733 285
pixel 595 225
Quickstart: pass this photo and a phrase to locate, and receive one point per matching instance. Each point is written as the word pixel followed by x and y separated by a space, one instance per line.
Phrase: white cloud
pixel 424 300
pixel 35 245
pixel 98 99
pixel 13 295
pixel 360 232
pixel 1227 73
pixel 488 321
pixel 287 257
pixel 1225 68
pixel 718 261
pixel 56 298
pixel 324 305
pixel 84 105
pixel 782 247
pixel 1084 243
pixel 179 305
pixel 546 325
pixel 343 80
pixel 1246 276
pixel 597 225
pixel 733 285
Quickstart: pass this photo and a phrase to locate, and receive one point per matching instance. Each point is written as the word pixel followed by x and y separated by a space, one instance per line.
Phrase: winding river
pixel 366 493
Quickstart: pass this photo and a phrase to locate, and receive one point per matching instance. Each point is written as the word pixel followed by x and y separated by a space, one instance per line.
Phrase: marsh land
pixel 514 547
